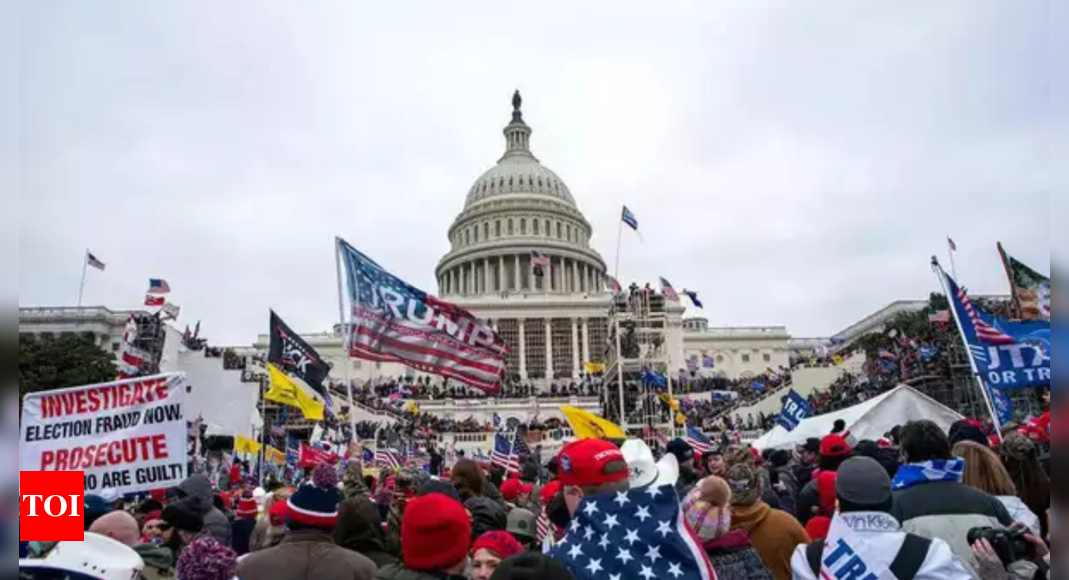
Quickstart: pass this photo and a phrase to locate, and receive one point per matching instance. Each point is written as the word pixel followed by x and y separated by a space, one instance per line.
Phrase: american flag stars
pixel 626 535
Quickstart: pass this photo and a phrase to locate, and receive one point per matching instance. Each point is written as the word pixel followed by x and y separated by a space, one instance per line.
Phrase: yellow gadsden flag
pixel 285 391
pixel 590 426
pixel 594 367
pixel 246 445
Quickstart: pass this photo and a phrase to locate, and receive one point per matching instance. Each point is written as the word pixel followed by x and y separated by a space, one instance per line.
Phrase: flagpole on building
pixel 968 353
pixel 951 248
pixel 346 333
pixel 81 287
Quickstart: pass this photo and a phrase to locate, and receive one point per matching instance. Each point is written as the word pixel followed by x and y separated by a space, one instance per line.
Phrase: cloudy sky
pixel 797 162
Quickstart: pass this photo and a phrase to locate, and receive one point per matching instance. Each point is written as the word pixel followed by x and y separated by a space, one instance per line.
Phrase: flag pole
pixel 346 333
pixel 968 352
pixel 951 248
pixel 81 287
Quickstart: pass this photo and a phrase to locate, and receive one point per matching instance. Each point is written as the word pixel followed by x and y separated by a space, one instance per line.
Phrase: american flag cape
pixel 392 321
pixel 634 535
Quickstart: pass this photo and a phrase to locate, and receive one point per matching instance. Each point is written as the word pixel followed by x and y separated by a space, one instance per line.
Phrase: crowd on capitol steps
pixel 921 503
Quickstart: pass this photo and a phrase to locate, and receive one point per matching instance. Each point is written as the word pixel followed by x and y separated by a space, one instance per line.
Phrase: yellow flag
pixel 838 360
pixel 275 456
pixel 680 419
pixel 594 368
pixel 246 445
pixel 590 426
pixel 285 391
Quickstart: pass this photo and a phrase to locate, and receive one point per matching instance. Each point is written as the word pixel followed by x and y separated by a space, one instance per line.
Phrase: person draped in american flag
pixel 619 533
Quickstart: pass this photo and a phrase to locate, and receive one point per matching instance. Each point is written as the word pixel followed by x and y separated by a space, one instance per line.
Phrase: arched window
pixel 511 230
pixel 568 229
pixel 548 234
pixel 467 237
pixel 476 233
pixel 497 229
pixel 486 231
pixel 523 226
pixel 534 226
pixel 558 231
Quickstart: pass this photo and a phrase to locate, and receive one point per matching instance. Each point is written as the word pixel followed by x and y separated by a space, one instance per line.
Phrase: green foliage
pixel 70 360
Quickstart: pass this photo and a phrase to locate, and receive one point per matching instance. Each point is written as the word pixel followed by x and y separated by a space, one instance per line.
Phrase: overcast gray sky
pixel 796 162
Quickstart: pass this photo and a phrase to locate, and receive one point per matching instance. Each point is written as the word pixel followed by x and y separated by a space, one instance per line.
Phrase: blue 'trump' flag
pixel 795 410
pixel 1008 354
pixel 392 321
pixel 635 535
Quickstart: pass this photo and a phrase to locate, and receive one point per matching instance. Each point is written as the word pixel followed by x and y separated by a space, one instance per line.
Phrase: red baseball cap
pixel 834 446
pixel 583 463
pixel 512 489
pixel 549 491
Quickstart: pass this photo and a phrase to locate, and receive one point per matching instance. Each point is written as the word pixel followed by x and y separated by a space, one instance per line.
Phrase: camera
pixel 1010 545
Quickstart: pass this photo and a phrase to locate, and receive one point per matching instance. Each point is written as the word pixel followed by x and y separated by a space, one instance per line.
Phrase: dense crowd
pixel 920 503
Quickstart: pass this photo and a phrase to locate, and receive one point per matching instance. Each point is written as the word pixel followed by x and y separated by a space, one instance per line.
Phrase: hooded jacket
pixel 775 535
pixel 360 530
pixel 197 495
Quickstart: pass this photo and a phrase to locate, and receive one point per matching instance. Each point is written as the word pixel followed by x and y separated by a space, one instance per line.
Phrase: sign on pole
pixel 127 436
pixel 795 410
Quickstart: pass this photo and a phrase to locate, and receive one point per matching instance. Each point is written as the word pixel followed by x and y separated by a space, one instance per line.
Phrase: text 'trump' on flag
pixel 393 321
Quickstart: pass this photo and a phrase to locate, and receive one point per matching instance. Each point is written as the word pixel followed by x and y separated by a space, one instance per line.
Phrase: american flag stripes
pixel 158 286
pixel 387 459
pixel 984 331
pixel 539 259
pixel 698 440
pixel 543 525
pixel 392 321
pixel 669 292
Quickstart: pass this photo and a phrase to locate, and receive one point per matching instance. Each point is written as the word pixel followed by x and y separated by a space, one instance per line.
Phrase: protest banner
pixel 127 436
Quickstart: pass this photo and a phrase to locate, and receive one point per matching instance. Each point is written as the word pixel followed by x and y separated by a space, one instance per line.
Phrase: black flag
pixel 294 356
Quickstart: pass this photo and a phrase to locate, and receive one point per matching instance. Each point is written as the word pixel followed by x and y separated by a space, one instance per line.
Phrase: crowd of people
pixel 922 502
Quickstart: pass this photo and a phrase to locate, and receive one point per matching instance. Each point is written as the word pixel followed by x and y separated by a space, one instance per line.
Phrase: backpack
pixel 908 562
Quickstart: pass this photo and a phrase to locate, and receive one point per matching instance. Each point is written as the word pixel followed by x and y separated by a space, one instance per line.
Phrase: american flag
pixel 614 284
pixel 94 263
pixel 158 286
pixel 984 331
pixel 543 525
pixel 393 321
pixel 698 440
pixel 387 459
pixel 669 292
pixel 539 259
pixel 507 452
pixel 633 535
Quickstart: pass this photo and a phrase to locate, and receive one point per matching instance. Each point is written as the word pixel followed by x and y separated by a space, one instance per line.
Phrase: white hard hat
pixel 97 557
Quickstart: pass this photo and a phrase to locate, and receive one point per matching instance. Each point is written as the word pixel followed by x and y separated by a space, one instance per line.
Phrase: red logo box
pixel 51 506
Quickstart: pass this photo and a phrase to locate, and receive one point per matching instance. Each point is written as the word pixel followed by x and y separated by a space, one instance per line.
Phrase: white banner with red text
pixel 127 436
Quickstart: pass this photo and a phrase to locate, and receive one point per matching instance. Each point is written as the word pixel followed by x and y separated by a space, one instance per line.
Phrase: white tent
pixel 869 420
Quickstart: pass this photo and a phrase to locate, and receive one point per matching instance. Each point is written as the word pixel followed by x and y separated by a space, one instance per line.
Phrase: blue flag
pixel 629 219
pixel 694 298
pixel 795 410
pixel 653 378
pixel 758 386
pixel 1002 403
pixel 635 535
pixel 1007 354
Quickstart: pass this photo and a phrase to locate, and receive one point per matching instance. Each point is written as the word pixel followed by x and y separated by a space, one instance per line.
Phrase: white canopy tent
pixel 869 420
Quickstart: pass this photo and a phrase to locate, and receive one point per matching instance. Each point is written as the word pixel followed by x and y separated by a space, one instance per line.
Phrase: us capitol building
pixel 554 318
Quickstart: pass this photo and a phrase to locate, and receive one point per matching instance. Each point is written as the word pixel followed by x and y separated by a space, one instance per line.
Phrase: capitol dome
pixel 520 230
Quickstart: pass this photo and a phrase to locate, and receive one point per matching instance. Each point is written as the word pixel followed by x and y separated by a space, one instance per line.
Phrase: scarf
pixel 912 474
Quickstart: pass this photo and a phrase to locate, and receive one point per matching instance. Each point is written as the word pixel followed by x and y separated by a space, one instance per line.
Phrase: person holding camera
pixel 931 500
pixel 1009 554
